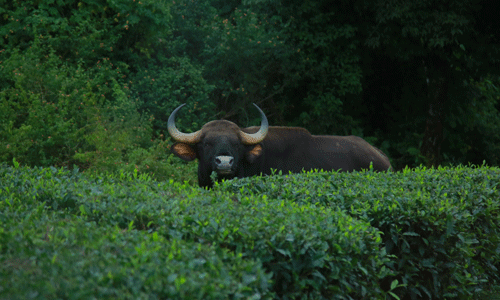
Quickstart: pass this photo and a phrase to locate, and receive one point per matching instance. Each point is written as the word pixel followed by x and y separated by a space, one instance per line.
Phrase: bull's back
pixel 356 152
pixel 293 149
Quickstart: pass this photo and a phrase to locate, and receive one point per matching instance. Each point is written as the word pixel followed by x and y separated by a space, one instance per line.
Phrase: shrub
pixel 51 248
pixel 74 259
pixel 442 225
pixel 424 233
pixel 311 251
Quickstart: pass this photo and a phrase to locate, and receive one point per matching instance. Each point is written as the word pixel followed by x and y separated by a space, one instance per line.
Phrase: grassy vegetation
pixel 418 233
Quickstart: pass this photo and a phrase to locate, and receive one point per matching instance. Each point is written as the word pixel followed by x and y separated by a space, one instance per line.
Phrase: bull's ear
pixel 183 151
pixel 253 154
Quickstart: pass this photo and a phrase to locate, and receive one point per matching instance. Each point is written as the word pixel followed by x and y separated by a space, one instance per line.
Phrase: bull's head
pixel 220 146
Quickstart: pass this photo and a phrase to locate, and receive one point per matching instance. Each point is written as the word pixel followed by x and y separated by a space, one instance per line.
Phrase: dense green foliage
pixel 69 77
pixel 414 235
pixel 441 224
pixel 91 83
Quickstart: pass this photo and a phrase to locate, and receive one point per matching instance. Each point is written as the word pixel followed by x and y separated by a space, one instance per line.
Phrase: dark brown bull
pixel 231 151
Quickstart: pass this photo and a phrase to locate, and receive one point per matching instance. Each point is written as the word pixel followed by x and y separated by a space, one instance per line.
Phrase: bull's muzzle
pixel 224 164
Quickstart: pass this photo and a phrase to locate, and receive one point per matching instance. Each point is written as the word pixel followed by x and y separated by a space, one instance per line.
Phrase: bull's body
pixel 223 147
pixel 295 149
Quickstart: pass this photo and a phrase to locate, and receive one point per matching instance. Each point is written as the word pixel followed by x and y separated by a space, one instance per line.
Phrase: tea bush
pixel 417 234
pixel 442 225
pixel 50 249
pixel 311 251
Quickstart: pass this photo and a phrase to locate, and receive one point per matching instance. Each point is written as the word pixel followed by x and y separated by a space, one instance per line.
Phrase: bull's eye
pixel 207 145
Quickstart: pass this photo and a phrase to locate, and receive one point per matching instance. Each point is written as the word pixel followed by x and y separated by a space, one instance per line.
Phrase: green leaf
pixel 284 252
pixel 394 295
pixel 410 233
pixel 394 284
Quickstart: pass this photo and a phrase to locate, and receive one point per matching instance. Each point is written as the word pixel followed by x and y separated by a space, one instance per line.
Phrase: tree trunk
pixel 438 76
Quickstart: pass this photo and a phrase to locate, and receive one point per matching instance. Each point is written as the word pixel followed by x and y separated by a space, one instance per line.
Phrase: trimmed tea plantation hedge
pixel 116 236
pixel 442 226
pixel 73 259
pixel 408 235
pixel 51 249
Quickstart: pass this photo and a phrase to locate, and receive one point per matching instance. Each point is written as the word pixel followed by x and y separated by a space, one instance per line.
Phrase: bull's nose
pixel 224 163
